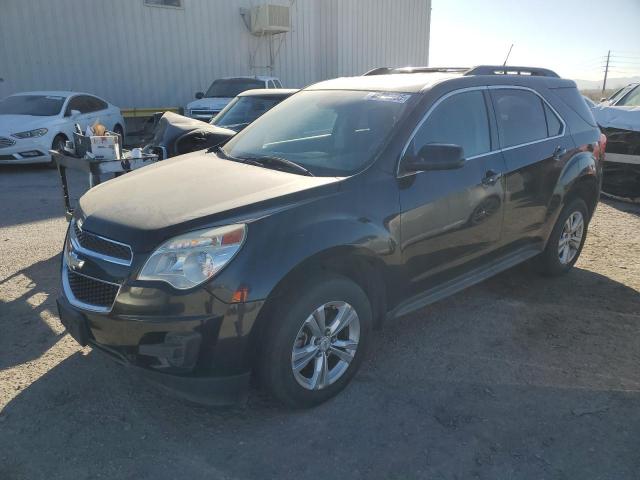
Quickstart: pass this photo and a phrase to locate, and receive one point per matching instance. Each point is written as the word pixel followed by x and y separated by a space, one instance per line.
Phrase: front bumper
pixel 24 151
pixel 203 358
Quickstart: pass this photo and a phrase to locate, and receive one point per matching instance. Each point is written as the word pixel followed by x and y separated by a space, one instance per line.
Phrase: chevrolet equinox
pixel 355 200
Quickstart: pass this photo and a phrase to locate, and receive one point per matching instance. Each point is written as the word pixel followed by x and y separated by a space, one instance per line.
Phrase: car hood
pixel 145 207
pixel 214 103
pixel 19 123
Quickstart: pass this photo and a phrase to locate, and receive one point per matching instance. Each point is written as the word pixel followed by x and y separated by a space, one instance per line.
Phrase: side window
pixel 277 84
pixel 461 120
pixel 271 84
pixel 520 116
pixel 95 104
pixel 554 127
pixel 77 103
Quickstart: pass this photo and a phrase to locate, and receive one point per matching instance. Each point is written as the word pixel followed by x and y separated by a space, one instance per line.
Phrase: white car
pixel 207 105
pixel 32 123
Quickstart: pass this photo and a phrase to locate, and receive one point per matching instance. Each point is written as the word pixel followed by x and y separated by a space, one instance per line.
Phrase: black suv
pixel 353 201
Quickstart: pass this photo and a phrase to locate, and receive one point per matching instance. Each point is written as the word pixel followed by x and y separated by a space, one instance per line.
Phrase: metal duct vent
pixel 269 19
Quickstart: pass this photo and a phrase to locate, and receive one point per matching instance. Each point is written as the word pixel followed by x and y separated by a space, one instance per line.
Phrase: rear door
pixel 452 217
pixel 534 145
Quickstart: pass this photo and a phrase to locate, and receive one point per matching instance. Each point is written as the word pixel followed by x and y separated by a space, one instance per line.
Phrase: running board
pixel 457 284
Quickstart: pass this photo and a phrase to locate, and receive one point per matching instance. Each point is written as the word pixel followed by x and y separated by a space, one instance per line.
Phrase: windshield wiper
pixel 283 162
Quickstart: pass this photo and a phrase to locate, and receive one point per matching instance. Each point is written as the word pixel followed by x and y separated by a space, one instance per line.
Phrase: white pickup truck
pixel 222 91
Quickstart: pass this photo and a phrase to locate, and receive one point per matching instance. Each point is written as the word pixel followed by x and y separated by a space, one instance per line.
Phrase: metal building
pixel 157 53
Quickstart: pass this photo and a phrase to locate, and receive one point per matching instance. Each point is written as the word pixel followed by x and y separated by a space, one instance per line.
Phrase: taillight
pixel 600 147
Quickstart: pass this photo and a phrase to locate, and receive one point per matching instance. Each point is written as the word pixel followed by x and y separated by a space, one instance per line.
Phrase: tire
pixel 554 260
pixel 291 329
pixel 57 144
pixel 118 129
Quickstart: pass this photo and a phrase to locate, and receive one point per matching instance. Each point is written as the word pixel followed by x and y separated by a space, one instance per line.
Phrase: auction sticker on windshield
pixel 388 97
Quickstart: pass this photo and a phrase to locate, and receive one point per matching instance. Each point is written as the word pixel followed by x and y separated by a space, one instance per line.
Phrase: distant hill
pixel 612 83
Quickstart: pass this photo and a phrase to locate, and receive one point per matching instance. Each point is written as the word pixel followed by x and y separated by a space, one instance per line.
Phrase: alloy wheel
pixel 571 238
pixel 325 345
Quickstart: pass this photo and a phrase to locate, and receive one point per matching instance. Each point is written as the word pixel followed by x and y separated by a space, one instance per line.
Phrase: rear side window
pixel 520 116
pixel 460 120
pixel 554 127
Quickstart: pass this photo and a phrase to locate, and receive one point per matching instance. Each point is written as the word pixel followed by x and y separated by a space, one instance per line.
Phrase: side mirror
pixel 199 95
pixel 435 156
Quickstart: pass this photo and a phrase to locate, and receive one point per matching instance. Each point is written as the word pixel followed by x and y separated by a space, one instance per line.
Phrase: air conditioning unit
pixel 269 19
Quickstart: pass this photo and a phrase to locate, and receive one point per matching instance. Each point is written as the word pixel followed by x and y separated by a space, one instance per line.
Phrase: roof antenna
pixel 509 53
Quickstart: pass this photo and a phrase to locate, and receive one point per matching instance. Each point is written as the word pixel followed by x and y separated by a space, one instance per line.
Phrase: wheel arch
pixel 358 264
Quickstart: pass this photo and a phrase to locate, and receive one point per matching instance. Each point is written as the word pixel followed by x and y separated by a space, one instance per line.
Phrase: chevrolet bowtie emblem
pixel 74 262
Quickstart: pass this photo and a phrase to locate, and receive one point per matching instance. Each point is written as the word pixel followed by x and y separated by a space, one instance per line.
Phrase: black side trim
pixel 463 281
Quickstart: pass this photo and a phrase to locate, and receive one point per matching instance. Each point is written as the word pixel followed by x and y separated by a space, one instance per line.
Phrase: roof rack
pixel 509 70
pixel 393 70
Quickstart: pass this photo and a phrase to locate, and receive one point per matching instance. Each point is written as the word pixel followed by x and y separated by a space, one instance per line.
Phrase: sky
pixel 571 37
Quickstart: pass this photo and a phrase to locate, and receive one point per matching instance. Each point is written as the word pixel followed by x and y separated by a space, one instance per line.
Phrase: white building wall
pixel 140 56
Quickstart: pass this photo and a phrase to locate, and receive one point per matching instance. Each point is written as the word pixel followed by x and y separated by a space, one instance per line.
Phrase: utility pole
pixel 606 72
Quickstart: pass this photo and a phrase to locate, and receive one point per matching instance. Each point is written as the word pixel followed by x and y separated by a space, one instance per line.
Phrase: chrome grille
pixel 91 291
pixel 97 246
pixel 6 142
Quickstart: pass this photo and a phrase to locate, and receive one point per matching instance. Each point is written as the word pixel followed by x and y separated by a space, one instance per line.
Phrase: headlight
pixel 188 260
pixel 38 132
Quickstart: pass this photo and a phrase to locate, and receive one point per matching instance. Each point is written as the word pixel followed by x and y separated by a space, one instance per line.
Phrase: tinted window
pixel 270 84
pixel 554 127
pixel 277 83
pixel 461 120
pixel 230 87
pixel 95 104
pixel 330 132
pixel 520 116
pixel 40 105
pixel 78 103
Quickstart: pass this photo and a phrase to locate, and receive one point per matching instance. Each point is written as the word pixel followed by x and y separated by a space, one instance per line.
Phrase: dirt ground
pixel 520 377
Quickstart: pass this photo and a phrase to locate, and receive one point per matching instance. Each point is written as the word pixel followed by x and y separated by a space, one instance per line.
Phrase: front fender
pixel 343 221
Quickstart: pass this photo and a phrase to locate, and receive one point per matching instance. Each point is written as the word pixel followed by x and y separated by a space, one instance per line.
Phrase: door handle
pixel 490 178
pixel 559 152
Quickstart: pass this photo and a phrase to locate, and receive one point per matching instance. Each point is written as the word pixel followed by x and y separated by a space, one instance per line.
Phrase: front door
pixel 451 217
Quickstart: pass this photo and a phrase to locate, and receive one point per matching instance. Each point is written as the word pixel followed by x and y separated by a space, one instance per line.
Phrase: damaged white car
pixel 619 120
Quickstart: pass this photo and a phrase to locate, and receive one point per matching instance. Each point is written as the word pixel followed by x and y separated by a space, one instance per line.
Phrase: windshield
pixel 230 87
pixel 241 111
pixel 631 99
pixel 329 132
pixel 40 105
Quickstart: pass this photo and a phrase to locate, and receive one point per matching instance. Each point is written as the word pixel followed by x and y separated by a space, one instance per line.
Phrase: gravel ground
pixel 519 377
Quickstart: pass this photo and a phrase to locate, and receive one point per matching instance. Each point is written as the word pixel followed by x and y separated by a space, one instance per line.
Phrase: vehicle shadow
pixel 627 207
pixel 29 325
pixel 535 377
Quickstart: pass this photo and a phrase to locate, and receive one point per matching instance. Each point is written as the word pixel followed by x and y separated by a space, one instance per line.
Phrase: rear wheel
pixel 566 240
pixel 118 129
pixel 315 341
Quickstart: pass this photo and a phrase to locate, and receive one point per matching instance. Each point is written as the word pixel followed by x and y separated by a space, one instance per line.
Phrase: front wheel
pixel 566 240
pixel 315 341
